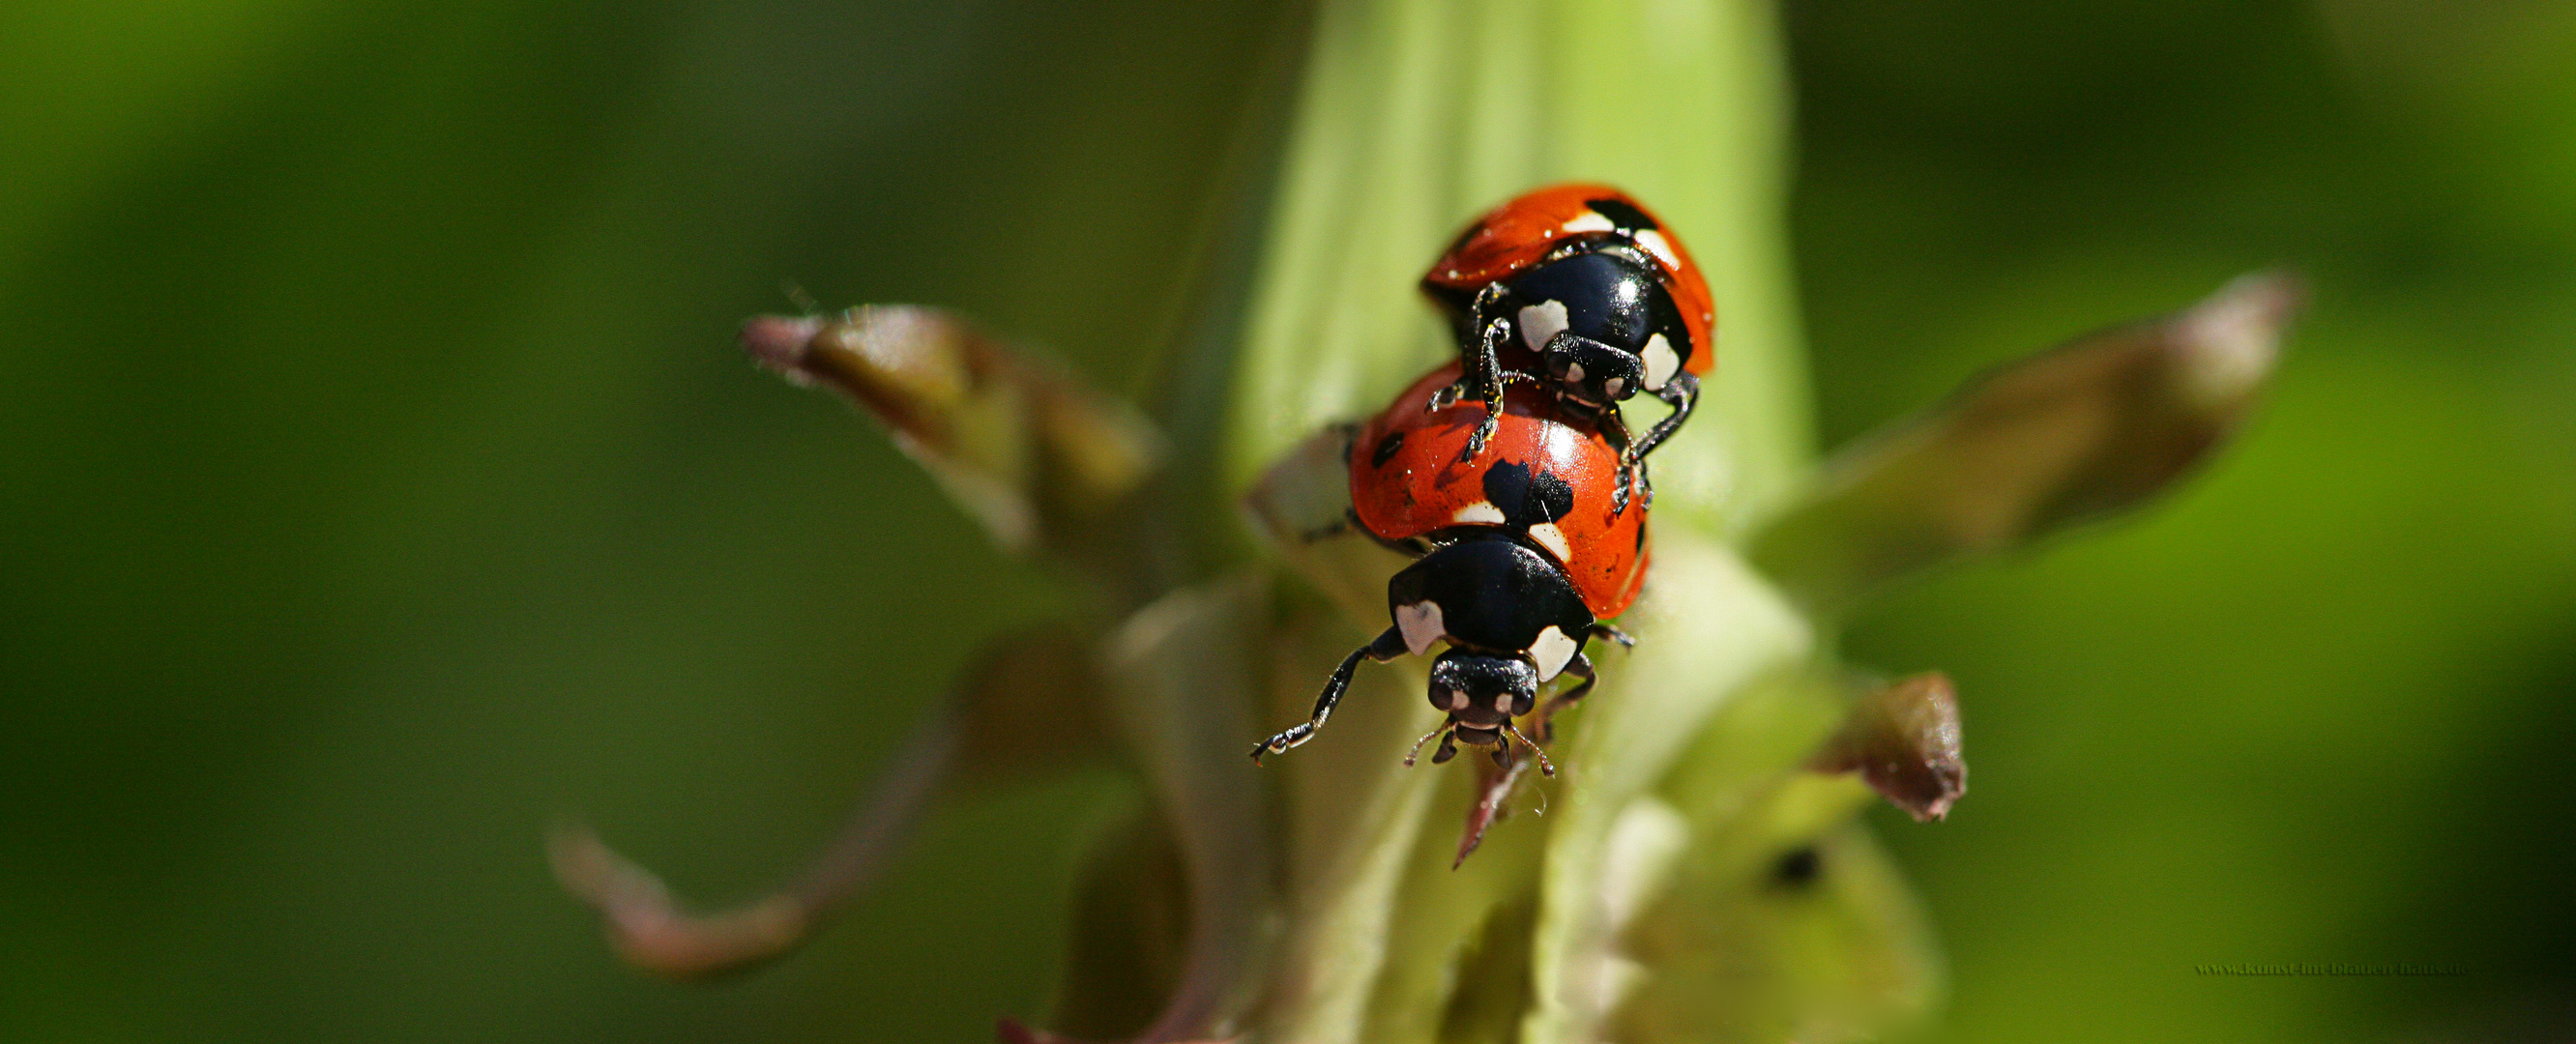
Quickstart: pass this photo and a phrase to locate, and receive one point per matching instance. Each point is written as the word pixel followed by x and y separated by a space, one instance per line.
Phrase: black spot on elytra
pixel 1464 238
pixel 1628 218
pixel 1386 448
pixel 1527 499
pixel 1798 868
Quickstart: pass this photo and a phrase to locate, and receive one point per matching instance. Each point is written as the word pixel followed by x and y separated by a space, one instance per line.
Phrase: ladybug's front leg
pixel 1388 646
pixel 1544 724
pixel 1477 360
pixel 1682 394
pixel 1632 475
pixel 1485 370
pixel 1483 376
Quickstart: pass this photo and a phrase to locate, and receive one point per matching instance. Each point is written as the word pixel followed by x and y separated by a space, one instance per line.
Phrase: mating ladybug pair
pixel 1566 301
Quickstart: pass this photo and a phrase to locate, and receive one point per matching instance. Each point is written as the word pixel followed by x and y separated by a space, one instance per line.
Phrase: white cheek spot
pixel 1457 700
pixel 1654 241
pixel 1612 386
pixel 1421 625
pixel 1574 373
pixel 1503 704
pixel 1591 221
pixel 1540 322
pixel 1553 539
pixel 1552 650
pixel 1661 363
pixel 1480 511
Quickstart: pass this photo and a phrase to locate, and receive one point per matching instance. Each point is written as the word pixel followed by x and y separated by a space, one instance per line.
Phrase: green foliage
pixel 378 486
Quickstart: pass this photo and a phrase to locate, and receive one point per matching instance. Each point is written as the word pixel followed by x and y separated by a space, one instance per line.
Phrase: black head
pixel 1594 318
pixel 1481 691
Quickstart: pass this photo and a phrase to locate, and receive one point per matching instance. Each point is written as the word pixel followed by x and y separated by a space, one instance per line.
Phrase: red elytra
pixel 1407 481
pixel 1512 238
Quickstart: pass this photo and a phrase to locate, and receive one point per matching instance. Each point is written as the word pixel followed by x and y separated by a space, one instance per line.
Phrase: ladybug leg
pixel 1342 526
pixel 1607 633
pixel 1477 362
pixel 1682 394
pixel 1493 411
pixel 1545 724
pixel 1614 430
pixel 1486 370
pixel 1350 523
pixel 1388 646
pixel 1484 377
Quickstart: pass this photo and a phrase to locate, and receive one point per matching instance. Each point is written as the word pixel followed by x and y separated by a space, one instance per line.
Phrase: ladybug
pixel 1520 559
pixel 1579 283
pixel 1548 478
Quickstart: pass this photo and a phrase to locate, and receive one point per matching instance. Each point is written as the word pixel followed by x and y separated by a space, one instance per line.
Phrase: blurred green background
pixel 377 483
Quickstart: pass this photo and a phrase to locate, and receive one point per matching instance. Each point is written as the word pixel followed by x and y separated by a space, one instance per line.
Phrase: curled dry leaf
pixel 1029 706
pixel 1022 445
pixel 1904 740
pixel 2086 430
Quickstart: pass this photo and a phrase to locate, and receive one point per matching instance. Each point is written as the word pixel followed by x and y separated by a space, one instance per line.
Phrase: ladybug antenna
pixel 1417 744
pixel 1545 767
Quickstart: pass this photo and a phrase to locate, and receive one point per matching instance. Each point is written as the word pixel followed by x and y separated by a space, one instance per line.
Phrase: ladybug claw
pixel 1476 439
pixel 1280 743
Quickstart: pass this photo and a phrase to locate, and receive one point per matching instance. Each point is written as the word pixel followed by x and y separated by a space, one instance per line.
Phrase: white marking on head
pixel 1421 625
pixel 1457 700
pixel 1590 221
pixel 1540 322
pixel 1611 387
pixel 1480 511
pixel 1574 372
pixel 1553 539
pixel 1553 650
pixel 1661 363
pixel 1503 703
pixel 1654 241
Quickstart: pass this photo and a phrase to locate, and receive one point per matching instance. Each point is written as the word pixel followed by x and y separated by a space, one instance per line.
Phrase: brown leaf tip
pixel 1904 740
pixel 2227 343
pixel 779 341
